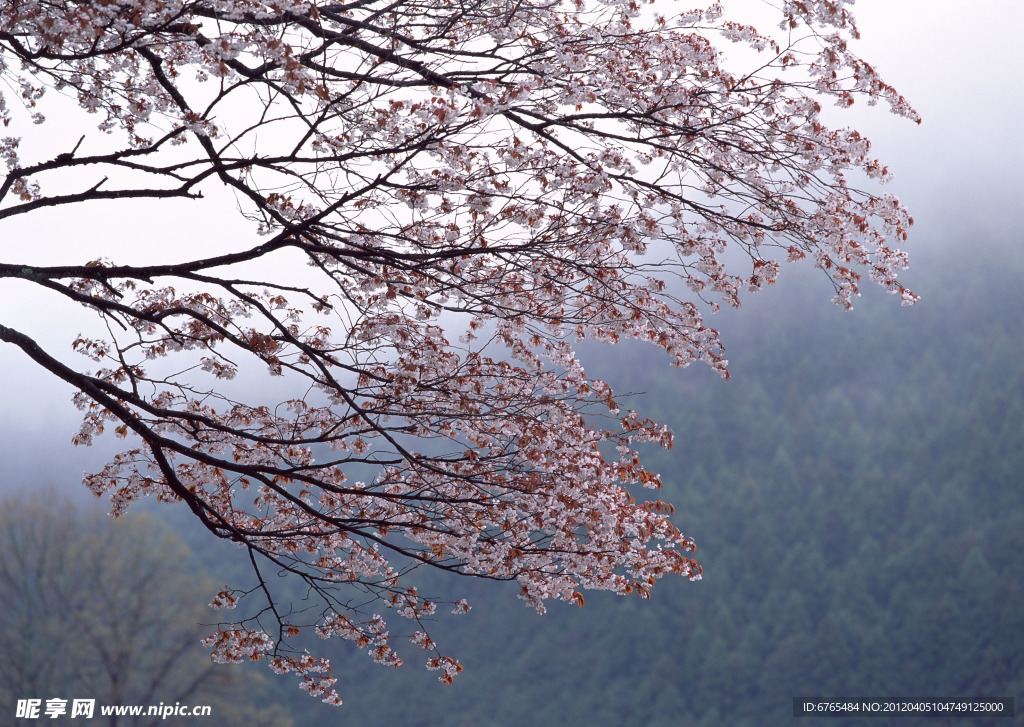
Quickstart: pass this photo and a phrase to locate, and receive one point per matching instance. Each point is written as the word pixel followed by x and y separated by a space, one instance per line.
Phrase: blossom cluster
pixel 471 188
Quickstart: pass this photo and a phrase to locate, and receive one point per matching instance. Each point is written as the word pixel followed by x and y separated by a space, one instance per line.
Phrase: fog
pixel 959 172
pixel 959 66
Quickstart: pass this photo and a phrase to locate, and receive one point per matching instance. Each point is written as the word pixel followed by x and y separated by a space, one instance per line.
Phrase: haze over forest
pixel 855 489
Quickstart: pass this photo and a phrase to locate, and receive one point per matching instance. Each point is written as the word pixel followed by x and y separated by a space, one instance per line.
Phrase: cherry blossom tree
pixel 438 199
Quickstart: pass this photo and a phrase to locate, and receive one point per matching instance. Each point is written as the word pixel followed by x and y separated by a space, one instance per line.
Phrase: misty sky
pixel 959 172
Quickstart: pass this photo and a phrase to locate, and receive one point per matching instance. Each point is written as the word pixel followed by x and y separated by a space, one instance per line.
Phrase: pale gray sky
pixel 960 65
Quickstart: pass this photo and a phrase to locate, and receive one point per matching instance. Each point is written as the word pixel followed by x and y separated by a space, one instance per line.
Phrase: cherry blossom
pixel 474 188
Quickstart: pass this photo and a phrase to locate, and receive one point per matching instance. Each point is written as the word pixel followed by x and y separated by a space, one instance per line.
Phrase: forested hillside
pixel 856 494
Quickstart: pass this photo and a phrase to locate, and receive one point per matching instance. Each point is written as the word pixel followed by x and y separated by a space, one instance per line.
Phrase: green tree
pixel 109 610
